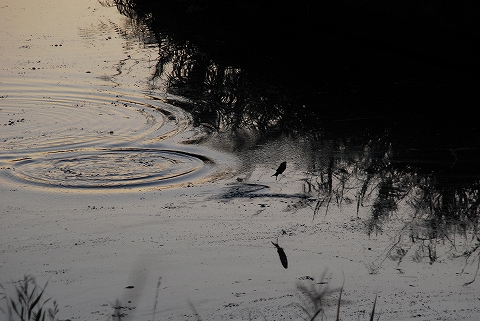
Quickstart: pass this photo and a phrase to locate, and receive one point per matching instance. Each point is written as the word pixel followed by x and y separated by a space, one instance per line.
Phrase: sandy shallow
pixel 201 247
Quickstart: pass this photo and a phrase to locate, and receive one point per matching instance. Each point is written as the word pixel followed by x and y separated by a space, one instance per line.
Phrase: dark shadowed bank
pixel 385 95
pixel 308 66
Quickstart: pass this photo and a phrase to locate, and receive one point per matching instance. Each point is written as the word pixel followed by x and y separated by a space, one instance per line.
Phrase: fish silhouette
pixel 281 254
pixel 280 169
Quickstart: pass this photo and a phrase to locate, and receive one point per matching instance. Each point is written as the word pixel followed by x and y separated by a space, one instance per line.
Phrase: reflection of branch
pixel 391 249
pixel 467 255
pixel 363 191
pixel 106 3
pixel 476 272
pixel 319 204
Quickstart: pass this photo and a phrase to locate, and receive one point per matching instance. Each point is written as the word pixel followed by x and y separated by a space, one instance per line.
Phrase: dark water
pixel 380 100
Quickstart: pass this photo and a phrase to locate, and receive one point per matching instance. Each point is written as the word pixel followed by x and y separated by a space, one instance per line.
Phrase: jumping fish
pixel 280 169
pixel 281 254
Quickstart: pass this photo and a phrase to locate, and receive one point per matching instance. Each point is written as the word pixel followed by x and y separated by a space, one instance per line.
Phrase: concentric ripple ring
pixel 110 168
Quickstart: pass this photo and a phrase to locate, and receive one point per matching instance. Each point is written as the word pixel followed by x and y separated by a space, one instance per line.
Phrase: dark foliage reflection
pixel 443 200
pixel 386 129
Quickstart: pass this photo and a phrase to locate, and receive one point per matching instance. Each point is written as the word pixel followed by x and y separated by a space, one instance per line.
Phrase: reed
pixel 313 295
pixel 117 314
pixel 372 314
pixel 156 297
pixel 28 304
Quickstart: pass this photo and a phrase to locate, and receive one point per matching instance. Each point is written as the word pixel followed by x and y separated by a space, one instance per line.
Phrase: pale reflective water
pixel 74 106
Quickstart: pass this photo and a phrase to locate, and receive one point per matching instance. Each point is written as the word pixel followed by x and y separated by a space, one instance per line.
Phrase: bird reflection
pixel 281 254
pixel 280 169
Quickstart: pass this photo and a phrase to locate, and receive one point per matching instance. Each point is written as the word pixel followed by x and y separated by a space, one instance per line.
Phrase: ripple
pixel 60 137
pixel 110 168
pixel 47 120
pixel 78 107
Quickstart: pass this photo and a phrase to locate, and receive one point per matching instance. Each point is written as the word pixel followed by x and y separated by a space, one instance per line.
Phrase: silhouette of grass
pixel 372 314
pixel 28 304
pixel 313 296
pixel 156 296
pixel 339 301
pixel 315 293
pixel 117 314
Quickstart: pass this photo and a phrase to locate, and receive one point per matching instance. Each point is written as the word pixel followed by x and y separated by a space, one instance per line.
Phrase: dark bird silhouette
pixel 280 169
pixel 281 254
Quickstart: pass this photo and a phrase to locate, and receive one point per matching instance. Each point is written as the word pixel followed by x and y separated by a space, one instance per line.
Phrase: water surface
pixel 75 107
pixel 381 146
pixel 365 119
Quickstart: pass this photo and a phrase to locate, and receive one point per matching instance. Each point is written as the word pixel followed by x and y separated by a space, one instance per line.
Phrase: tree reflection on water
pixel 387 127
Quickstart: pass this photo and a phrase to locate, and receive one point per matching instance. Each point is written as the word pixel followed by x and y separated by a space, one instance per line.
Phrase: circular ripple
pixel 110 168
pixel 43 120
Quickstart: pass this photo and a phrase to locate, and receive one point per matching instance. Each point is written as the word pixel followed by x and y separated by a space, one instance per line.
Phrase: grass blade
pixel 38 315
pixel 14 306
pixel 27 305
pixel 36 301
pixel 156 297
pixel 339 300
pixel 373 309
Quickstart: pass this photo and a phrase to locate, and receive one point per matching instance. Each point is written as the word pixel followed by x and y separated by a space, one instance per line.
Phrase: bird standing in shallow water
pixel 280 169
